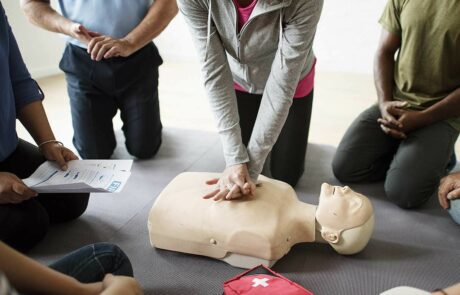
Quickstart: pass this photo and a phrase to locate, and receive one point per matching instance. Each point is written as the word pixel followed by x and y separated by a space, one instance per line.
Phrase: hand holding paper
pixel 81 176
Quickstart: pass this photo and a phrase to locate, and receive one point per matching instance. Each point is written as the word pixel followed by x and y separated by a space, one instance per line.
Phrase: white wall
pixel 40 49
pixel 347 35
pixel 345 42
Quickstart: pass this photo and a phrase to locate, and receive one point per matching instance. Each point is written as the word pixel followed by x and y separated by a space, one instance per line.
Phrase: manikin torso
pixel 243 232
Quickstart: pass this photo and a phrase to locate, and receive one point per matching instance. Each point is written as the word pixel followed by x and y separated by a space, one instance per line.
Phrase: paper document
pixel 82 176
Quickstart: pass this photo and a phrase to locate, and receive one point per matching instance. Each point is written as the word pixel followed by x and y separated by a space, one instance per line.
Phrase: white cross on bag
pixel 260 282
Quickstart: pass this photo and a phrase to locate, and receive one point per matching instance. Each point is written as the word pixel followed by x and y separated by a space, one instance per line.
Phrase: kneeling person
pixel 408 138
pixel 24 215
pixel 111 64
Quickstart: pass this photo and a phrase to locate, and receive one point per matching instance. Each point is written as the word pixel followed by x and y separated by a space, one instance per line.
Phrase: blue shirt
pixel 115 18
pixel 17 88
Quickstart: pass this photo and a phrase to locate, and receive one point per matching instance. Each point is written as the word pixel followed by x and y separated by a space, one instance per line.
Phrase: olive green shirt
pixel 427 66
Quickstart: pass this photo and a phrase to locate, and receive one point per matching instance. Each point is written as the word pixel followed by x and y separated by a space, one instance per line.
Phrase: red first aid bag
pixel 262 281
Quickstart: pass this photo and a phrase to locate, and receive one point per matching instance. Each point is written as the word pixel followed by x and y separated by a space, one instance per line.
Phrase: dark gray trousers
pixel 286 161
pixel 411 168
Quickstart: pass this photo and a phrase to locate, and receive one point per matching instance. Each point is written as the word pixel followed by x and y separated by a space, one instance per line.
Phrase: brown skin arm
pixel 29 276
pixel 444 109
pixel 384 64
pixel 447 108
pixel 396 121
pixel 34 119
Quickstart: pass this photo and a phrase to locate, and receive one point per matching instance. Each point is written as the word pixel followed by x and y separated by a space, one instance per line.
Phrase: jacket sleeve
pixel 25 89
pixel 295 46
pixel 218 78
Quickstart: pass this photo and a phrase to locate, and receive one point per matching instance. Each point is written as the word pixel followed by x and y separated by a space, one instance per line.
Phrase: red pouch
pixel 262 281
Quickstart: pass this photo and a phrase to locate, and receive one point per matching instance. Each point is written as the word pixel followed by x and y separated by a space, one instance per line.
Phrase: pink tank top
pixel 305 85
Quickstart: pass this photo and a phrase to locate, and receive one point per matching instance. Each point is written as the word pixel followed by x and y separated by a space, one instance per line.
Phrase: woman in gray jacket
pixel 258 67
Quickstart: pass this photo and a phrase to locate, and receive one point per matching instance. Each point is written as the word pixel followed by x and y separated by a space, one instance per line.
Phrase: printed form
pixel 81 176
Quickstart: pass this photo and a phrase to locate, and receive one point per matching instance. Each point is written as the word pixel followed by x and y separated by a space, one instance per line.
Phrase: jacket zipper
pixel 240 33
pixel 236 32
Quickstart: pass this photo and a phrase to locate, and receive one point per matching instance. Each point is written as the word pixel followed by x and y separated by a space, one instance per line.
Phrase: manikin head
pixel 346 218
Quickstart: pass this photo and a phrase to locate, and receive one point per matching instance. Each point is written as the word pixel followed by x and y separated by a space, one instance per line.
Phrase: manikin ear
pixel 355 205
pixel 331 236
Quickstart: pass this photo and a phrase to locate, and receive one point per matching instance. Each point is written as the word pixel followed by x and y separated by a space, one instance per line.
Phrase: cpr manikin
pixel 260 229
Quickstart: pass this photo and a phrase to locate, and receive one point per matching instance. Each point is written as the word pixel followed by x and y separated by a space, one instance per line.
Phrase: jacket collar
pixel 265 6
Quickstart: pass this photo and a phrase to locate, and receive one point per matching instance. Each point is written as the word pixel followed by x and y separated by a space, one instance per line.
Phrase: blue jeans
pixel 454 210
pixel 91 263
pixel 97 90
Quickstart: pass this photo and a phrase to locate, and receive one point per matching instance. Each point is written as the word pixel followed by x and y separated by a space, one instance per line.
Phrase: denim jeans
pixel 98 89
pixel 454 210
pixel 91 263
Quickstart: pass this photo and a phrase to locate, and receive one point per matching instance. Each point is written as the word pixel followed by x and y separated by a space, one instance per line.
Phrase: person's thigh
pixel 248 108
pixel 139 104
pixel 365 151
pixel 23 161
pixel 419 164
pixel 58 207
pixel 92 106
pixel 91 263
pixel 64 207
pixel 23 225
pixel 287 158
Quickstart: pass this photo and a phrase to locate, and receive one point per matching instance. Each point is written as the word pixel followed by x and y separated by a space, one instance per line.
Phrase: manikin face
pixel 339 209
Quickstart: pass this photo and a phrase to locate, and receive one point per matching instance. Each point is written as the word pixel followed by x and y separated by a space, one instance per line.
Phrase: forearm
pixel 384 75
pixel 157 19
pixel 455 289
pixel 34 119
pixel 40 13
pixel 298 34
pixel 446 108
pixel 218 81
pixel 28 276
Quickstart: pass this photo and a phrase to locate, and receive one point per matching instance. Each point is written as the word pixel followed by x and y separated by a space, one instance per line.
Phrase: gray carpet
pixel 418 248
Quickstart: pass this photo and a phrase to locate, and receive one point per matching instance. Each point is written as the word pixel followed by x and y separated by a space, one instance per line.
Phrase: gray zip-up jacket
pixel 269 56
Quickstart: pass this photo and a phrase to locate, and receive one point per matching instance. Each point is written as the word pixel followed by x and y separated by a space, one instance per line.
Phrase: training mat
pixel 419 248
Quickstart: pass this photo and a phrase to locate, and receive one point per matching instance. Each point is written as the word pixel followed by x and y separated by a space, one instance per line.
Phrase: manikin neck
pixel 318 237
pixel 305 223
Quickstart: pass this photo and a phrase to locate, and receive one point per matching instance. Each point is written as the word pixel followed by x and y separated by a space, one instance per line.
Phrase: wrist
pixel 48 142
pixel 66 27
pixel 132 45
pixel 428 117
pixel 87 289
pixel 384 100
